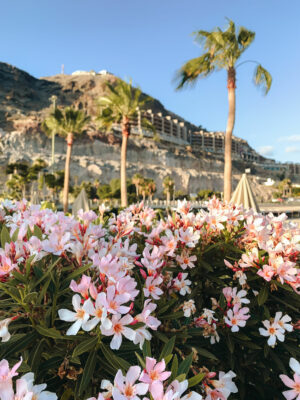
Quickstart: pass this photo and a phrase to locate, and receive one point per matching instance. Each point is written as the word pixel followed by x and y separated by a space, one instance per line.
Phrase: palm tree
pixel 222 50
pixel 121 106
pixel 137 180
pixel 151 188
pixel 68 123
pixel 168 184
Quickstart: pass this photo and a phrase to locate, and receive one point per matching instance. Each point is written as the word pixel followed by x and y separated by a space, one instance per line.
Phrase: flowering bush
pixel 133 306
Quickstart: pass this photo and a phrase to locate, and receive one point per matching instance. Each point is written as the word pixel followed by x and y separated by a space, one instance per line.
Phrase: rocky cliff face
pixel 25 101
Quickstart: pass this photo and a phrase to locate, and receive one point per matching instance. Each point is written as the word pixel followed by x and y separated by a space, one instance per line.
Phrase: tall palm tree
pixel 68 123
pixel 222 50
pixel 168 184
pixel 120 106
pixel 137 180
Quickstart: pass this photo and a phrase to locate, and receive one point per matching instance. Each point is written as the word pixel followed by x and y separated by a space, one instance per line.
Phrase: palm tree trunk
pixel 125 134
pixel 67 172
pixel 228 135
pixel 168 196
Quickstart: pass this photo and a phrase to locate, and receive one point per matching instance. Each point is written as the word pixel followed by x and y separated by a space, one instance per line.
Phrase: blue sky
pixel 150 40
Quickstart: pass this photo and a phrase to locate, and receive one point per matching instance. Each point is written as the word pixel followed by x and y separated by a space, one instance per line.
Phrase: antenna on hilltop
pixel 62 69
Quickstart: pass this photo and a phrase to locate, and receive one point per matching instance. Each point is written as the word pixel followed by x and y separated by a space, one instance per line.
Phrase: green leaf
pixel 36 356
pixel 31 297
pixel 67 394
pixel 88 371
pixel 181 377
pixel 168 348
pixel 19 345
pixel 147 348
pixel 114 361
pixel 142 362
pixel 77 272
pixel 196 379
pixel 37 232
pixel 205 353
pixel 14 237
pixel 49 332
pixel 185 365
pixel 174 368
pixel 263 295
pixel 47 272
pixel 174 316
pixel 5 236
pixel 19 277
pixel 230 343
pixel 85 346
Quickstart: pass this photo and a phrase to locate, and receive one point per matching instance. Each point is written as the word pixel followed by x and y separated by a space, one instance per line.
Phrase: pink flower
pixel 82 287
pixel 127 286
pixel 125 387
pixel 145 316
pixel 293 384
pixel 169 242
pixel 6 265
pixel 114 301
pixel 57 243
pixel 237 317
pixel 154 373
pixel 119 329
pixel 235 297
pixel 188 236
pixel 185 260
pixel 6 376
pixel 151 288
pixel 267 272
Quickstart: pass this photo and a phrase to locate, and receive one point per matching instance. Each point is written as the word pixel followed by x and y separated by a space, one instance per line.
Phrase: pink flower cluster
pixel 294 385
pixel 151 383
pixel 24 388
pixel 273 246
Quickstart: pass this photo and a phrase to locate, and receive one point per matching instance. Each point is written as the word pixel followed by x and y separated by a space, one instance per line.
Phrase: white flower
pixel 282 322
pixel 182 284
pixel 189 308
pixel 273 331
pixel 4 334
pixel 38 391
pixel 208 315
pixel 295 366
pixel 224 384
pixel 98 311
pixel 80 316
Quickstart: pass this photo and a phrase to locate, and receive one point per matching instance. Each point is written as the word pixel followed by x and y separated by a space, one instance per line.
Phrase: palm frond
pixel 245 37
pixel 262 78
pixel 122 100
pixel 193 69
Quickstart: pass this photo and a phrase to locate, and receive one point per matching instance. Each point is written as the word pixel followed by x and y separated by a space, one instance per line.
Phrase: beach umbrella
pixel 81 202
pixel 243 195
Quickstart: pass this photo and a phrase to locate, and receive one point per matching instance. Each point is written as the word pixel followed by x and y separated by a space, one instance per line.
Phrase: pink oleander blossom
pixel 125 387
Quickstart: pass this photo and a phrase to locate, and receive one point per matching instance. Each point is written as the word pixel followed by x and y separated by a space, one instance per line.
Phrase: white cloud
pixel 266 150
pixel 292 149
pixel 293 138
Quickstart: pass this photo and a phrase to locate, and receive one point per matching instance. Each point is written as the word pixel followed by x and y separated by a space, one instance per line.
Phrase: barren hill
pixel 25 101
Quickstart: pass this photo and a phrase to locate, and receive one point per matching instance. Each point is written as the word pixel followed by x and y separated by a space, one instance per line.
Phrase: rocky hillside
pixel 25 101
